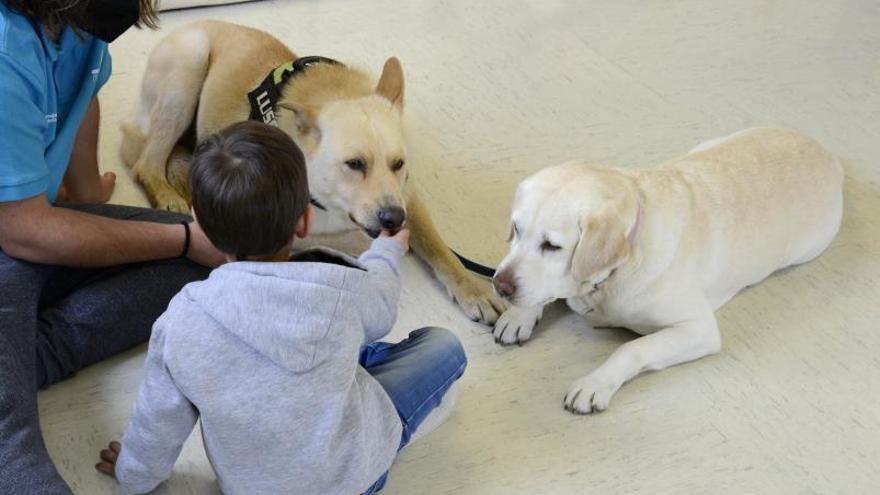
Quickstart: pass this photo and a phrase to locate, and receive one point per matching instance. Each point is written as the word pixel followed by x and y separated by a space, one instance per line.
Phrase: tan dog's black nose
pixel 392 217
pixel 504 283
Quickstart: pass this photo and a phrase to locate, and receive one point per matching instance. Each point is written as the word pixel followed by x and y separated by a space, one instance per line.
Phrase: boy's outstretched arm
pixel 381 292
pixel 161 421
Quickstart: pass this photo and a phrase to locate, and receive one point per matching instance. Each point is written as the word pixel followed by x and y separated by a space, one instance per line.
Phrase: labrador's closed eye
pixel 549 246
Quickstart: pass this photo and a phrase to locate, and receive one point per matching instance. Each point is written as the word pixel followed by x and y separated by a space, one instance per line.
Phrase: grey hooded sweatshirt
pixel 266 355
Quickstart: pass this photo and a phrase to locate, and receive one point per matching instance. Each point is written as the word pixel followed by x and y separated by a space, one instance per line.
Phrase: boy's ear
pixel 304 224
pixel 391 82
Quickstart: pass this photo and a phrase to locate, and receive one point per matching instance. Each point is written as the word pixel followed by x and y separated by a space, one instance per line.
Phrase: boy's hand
pixel 109 456
pixel 401 237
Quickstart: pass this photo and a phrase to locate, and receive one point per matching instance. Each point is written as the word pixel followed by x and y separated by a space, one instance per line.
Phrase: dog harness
pixel 264 99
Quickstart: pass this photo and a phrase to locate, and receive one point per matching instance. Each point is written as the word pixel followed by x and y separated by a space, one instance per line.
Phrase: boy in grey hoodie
pixel 278 359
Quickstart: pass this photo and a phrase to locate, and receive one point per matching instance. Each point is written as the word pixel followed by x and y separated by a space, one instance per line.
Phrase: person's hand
pixel 401 237
pixel 201 250
pixel 108 459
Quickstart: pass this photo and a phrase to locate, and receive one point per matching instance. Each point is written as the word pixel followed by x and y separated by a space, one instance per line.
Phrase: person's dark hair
pixel 249 188
pixel 55 15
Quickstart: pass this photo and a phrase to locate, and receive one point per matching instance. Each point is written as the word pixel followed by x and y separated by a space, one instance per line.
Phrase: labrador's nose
pixel 504 283
pixel 391 217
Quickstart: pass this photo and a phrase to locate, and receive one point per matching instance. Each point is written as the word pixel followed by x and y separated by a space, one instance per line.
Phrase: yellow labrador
pixel 209 74
pixel 657 250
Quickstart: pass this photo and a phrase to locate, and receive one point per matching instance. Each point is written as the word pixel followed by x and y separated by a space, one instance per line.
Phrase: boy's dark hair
pixel 55 15
pixel 249 188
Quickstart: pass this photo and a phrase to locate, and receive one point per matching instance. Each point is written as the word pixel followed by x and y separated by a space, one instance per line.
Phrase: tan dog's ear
pixel 607 241
pixel 391 83
pixel 304 118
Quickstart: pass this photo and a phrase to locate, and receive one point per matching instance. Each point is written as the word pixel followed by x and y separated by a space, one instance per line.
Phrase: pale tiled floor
pixel 498 89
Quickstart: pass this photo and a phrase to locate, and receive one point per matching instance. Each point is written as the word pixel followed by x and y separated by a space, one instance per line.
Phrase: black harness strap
pixel 264 99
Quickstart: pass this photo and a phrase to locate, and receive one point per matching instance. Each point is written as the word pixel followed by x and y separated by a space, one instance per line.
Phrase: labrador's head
pixel 570 226
pixel 355 151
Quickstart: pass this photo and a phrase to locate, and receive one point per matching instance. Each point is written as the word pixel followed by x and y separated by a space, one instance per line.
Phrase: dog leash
pixel 475 267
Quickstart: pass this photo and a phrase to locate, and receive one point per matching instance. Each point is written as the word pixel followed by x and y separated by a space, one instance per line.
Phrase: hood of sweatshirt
pixel 312 294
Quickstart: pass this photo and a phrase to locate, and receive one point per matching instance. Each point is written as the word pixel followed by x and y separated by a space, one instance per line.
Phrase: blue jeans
pixel 415 372
pixel 56 320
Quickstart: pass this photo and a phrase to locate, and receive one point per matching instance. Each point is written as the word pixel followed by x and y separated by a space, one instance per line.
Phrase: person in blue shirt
pixel 80 280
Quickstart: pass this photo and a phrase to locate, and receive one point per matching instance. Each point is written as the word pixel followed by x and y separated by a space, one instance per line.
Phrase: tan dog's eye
pixel 357 165
pixel 548 246
pixel 398 165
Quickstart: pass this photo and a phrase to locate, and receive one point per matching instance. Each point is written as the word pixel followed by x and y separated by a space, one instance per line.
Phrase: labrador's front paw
pixel 516 324
pixel 477 300
pixel 590 394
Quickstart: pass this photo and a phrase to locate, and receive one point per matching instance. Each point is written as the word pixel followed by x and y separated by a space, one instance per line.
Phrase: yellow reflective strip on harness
pixel 279 72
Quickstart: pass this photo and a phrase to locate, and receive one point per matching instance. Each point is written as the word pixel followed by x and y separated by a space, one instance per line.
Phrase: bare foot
pixel 108 183
pixel 99 194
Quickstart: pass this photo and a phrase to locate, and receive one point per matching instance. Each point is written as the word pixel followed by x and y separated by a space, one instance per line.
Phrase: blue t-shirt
pixel 45 90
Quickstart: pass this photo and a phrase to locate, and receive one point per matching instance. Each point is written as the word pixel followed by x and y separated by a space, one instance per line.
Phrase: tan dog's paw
pixel 590 394
pixel 516 324
pixel 477 299
pixel 171 201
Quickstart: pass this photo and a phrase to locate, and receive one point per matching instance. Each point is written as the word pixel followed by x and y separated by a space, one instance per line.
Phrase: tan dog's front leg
pixel 475 296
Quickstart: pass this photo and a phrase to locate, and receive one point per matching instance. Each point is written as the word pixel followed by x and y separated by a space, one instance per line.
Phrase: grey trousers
pixel 56 320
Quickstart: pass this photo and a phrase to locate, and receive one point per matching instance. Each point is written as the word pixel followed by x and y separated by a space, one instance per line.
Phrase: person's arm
pixel 83 182
pixel 161 421
pixel 380 290
pixel 33 230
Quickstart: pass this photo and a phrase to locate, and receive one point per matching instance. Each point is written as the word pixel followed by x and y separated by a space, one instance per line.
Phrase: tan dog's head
pixel 571 225
pixel 354 148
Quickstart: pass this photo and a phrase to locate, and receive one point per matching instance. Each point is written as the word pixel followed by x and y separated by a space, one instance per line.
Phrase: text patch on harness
pixel 264 99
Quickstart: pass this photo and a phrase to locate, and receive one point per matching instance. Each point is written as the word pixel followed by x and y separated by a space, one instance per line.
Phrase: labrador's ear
pixel 391 82
pixel 607 240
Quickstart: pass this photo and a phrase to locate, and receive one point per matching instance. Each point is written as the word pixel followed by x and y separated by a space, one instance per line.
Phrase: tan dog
pixel 349 128
pixel 658 250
